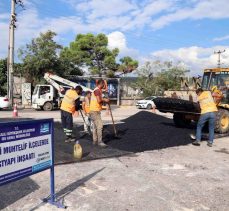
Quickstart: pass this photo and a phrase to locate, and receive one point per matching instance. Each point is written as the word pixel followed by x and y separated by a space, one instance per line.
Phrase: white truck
pixel 48 97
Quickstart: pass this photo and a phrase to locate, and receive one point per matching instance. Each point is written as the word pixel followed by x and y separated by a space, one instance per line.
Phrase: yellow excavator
pixel 183 103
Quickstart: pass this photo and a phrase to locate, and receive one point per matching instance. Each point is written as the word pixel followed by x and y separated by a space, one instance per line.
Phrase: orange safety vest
pixel 86 105
pixel 206 102
pixel 94 105
pixel 68 102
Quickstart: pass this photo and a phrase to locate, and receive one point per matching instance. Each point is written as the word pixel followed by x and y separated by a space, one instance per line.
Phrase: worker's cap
pixel 214 88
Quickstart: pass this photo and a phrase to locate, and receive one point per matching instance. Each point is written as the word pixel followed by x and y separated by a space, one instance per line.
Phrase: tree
pixel 156 77
pixel 3 77
pixel 127 64
pixel 91 51
pixel 40 56
pixel 67 67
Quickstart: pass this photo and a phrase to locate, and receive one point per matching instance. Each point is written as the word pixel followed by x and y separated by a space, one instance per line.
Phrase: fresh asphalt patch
pixel 141 132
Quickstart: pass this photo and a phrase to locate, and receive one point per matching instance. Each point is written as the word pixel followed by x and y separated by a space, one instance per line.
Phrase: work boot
pixel 196 143
pixel 101 144
pixel 209 144
pixel 70 139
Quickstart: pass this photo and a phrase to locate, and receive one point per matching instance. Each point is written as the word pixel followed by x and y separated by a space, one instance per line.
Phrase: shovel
pixel 114 128
pixel 88 126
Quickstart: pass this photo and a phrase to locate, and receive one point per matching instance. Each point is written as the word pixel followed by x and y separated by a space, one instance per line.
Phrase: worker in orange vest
pixel 86 109
pixel 95 112
pixel 68 108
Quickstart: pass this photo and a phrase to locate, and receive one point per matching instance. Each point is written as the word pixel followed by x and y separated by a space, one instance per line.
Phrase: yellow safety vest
pixel 207 103
pixel 68 102
pixel 94 105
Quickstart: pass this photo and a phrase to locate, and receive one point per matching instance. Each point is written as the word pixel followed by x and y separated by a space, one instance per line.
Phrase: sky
pixel 188 31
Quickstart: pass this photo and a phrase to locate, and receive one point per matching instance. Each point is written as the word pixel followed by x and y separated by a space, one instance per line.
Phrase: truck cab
pixel 45 97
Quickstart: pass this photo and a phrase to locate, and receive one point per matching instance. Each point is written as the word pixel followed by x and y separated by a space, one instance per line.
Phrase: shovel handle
pixel 114 128
pixel 88 127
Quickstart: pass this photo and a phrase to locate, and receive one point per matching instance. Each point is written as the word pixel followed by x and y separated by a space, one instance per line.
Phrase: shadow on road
pixel 14 191
pixel 61 194
pixel 71 187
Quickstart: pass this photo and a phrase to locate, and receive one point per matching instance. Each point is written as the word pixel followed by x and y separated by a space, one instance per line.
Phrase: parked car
pixel 146 103
pixel 4 103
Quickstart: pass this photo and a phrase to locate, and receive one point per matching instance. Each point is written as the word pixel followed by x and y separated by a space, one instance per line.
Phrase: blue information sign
pixel 26 147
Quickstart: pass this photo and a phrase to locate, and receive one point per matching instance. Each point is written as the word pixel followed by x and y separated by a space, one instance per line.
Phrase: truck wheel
pixel 180 121
pixel 48 106
pixel 222 121
pixel 149 106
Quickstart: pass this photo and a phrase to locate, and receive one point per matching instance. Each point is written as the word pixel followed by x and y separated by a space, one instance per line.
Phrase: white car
pixel 146 103
pixel 4 103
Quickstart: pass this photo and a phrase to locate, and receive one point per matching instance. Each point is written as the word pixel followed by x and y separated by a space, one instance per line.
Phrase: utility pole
pixel 219 56
pixel 11 52
pixel 10 61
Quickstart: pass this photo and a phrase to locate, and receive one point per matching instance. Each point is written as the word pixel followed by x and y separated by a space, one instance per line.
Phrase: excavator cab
pixel 218 77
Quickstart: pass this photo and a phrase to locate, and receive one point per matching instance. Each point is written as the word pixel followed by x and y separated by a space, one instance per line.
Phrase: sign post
pixel 26 148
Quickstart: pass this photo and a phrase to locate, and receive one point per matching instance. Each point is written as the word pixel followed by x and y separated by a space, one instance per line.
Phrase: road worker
pixel 95 112
pixel 68 109
pixel 86 109
pixel 208 110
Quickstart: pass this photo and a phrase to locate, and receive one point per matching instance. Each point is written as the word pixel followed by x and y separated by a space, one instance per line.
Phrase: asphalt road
pixel 151 166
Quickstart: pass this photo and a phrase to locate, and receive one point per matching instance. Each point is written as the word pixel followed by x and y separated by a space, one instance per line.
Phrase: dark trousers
pixel 210 118
pixel 67 122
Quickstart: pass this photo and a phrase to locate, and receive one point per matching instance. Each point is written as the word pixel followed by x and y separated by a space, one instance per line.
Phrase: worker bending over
pixel 95 112
pixel 208 109
pixel 86 109
pixel 68 108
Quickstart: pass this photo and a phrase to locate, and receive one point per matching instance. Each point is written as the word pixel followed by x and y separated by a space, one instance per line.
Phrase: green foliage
pixel 127 64
pixel 40 56
pixel 3 77
pixel 67 67
pixel 156 77
pixel 91 51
